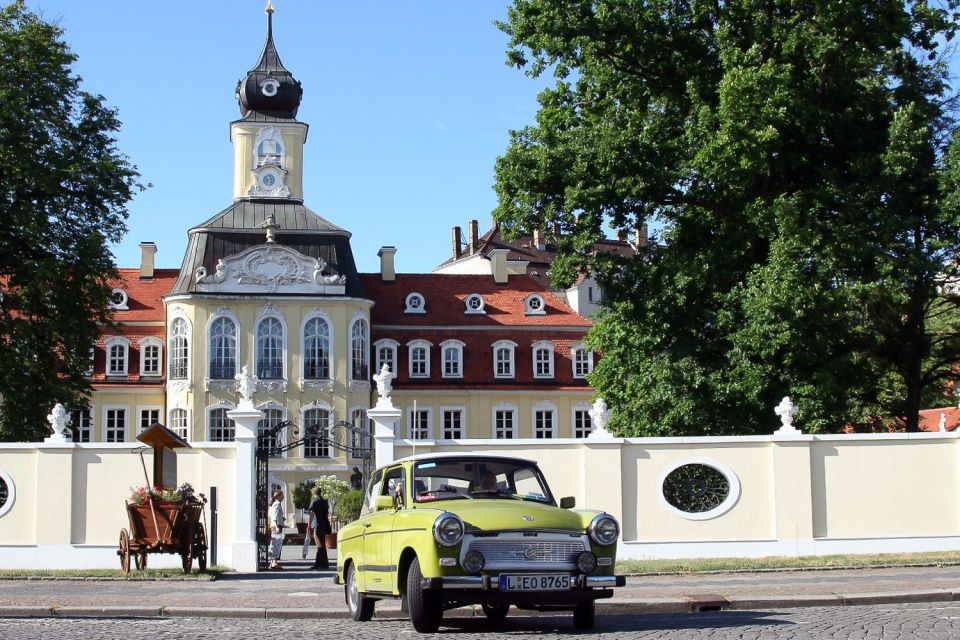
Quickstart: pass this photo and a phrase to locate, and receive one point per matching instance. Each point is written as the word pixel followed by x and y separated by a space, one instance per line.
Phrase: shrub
pixel 302 494
pixel 349 505
pixel 331 488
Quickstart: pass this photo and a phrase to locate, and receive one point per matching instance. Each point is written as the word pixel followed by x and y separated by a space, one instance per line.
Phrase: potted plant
pixel 332 489
pixel 302 494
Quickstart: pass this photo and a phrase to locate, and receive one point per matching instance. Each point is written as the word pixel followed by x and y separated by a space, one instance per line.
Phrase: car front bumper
pixel 491 583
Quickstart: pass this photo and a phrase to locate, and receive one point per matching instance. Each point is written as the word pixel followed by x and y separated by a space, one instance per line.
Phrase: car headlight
pixel 448 529
pixel 604 529
pixel 473 562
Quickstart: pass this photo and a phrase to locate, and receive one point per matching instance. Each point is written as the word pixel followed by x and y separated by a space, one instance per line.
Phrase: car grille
pixel 546 551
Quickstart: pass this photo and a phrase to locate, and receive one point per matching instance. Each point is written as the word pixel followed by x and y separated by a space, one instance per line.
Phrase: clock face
pixel 269 87
pixel 268 180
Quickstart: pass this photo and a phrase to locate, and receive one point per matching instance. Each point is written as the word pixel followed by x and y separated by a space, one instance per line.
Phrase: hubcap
pixel 352 587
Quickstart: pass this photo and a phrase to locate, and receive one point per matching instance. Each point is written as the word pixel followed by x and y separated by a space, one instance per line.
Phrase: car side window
pixel 376 482
pixel 393 486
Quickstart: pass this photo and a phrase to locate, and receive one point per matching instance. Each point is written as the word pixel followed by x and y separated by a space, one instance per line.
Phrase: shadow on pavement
pixel 517 623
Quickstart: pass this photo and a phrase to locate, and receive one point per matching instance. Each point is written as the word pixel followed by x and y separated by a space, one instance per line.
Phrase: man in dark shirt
pixel 320 509
pixel 356 479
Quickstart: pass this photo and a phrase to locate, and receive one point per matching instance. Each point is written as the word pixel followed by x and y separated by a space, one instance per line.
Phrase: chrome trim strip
pixel 464 582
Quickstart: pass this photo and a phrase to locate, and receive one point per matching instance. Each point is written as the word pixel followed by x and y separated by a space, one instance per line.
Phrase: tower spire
pixel 269 88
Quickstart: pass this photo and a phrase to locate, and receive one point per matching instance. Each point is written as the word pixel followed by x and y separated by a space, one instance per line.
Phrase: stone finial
pixel 246 384
pixel 943 421
pixel 384 381
pixel 786 410
pixel 600 415
pixel 58 418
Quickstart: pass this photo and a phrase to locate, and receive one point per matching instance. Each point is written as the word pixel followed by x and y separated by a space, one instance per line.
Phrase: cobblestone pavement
pixel 886 622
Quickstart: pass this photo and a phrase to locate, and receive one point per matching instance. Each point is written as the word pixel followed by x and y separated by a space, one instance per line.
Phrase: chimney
pixel 641 235
pixel 498 263
pixel 538 240
pixel 474 236
pixel 456 243
pixel 147 251
pixel 387 273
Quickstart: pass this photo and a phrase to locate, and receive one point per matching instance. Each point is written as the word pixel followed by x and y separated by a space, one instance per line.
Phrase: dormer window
pixel 419 358
pixel 118 300
pixel 535 305
pixel 118 351
pixel 416 303
pixel 503 358
pixel 452 355
pixel 474 304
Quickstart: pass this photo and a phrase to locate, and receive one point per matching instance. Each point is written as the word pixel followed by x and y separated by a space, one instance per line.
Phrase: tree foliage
pixel 63 191
pixel 796 155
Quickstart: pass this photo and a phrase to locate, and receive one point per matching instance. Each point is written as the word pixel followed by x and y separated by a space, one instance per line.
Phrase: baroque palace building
pixel 269 284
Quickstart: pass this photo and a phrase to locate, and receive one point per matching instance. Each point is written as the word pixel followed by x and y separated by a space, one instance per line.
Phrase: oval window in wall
pixel 698 489
pixel 6 493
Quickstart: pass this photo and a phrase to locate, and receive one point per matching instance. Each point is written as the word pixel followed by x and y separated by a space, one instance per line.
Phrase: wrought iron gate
pixel 343 436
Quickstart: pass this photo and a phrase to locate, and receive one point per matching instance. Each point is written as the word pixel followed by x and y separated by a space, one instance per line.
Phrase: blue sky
pixel 409 104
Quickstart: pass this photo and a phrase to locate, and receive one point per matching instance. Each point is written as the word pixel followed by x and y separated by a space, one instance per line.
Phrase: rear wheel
pixel 361 607
pixel 425 607
pixel 199 547
pixel 124 551
pixel 583 615
pixel 495 611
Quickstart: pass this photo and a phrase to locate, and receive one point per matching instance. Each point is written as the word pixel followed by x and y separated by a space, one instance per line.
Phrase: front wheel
pixel 361 607
pixel 424 604
pixel 583 615
pixel 495 611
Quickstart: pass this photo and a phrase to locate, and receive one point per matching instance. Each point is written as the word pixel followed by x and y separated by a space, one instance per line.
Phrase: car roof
pixel 474 456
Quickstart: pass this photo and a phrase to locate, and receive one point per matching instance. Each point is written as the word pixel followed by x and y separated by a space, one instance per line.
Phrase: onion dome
pixel 269 89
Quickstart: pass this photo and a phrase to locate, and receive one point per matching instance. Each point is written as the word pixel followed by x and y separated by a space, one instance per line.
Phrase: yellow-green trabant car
pixel 447 530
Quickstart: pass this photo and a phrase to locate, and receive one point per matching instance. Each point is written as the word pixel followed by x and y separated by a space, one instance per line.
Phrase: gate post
pixel 245 419
pixel 385 417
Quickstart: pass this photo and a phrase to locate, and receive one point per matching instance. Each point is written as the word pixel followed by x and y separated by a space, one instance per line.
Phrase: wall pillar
pixel 244 540
pixel 54 493
pixel 602 472
pixel 792 491
pixel 385 417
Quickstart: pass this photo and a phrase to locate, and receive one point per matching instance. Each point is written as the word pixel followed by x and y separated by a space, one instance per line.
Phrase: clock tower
pixel 268 139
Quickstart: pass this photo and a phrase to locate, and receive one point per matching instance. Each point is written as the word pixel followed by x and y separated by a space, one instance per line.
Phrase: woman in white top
pixel 277 518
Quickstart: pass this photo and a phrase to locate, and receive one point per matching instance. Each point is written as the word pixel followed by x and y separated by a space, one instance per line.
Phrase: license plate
pixel 535 582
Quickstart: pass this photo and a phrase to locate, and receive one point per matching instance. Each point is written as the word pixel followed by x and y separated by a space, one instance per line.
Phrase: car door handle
pixel 367 524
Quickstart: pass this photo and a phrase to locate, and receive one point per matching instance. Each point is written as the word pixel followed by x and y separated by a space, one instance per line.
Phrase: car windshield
pixel 479 478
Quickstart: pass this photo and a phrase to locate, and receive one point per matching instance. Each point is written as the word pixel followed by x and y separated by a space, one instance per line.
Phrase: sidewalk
pixel 300 592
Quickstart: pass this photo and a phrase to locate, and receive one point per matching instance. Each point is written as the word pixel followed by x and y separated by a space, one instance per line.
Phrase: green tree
pixel 63 188
pixel 795 154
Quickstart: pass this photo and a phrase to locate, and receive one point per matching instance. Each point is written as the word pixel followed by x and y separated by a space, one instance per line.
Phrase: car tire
pixel 495 611
pixel 361 607
pixel 424 604
pixel 583 615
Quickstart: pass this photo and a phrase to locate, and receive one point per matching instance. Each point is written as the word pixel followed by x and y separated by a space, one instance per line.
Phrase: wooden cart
pixel 164 526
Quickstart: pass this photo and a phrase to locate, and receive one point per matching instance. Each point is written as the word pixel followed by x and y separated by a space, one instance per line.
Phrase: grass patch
pixel 106 574
pixel 854 561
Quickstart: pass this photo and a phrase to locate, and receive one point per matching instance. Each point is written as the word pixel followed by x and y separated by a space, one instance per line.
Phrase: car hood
pixel 493 514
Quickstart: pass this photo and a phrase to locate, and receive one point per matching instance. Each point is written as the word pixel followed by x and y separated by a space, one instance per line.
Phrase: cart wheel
pixel 141 560
pixel 200 547
pixel 124 552
pixel 185 552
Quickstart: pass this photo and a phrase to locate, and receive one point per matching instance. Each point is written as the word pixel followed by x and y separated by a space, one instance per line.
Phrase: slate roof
pixel 290 215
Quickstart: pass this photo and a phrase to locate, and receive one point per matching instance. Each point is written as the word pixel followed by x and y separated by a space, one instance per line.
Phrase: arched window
pixel 316 421
pixel 452 353
pixel 179 349
pixel 219 426
pixel 271 418
pixel 358 350
pixel 179 424
pixel 150 356
pixel 316 349
pixel 118 350
pixel 582 359
pixel 503 358
pixel 270 349
pixel 386 352
pixel 543 359
pixel 223 348
pixel 419 351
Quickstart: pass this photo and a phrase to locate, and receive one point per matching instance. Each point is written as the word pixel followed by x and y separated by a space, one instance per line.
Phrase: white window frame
pixel 207 426
pixel 11 493
pixel 317 405
pixel 475 304
pixel 462 410
pixel 410 305
pixel 412 347
pixel 151 341
pixel 392 346
pixel 172 425
pixel 126 420
pixel 411 413
pixel 271 405
pixel 580 347
pixel 547 407
pixel 511 346
pixel 223 312
pixel 147 407
pixel 577 407
pixel 270 312
pixel 364 424
pixel 90 428
pixel 122 305
pixel 321 315
pixel 504 406
pixel 457 346
pixel 357 318
pixel 549 347
pixel 88 373
pixel 535 305
pixel 175 315
pixel 124 343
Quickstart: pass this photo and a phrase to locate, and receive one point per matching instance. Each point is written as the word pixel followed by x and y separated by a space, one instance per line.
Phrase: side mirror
pixel 384 502
pixel 568 503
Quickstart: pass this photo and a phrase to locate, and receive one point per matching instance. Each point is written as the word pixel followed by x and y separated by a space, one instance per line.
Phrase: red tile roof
pixel 445 295
pixel 930 419
pixel 144 295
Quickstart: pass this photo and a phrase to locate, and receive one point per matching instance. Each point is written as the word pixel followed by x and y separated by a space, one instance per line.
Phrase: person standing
pixel 320 510
pixel 277 520
pixel 356 479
